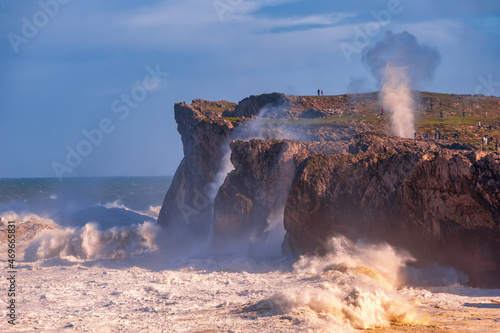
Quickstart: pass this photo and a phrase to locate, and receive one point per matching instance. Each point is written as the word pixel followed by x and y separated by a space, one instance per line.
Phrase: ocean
pixel 75 201
pixel 90 257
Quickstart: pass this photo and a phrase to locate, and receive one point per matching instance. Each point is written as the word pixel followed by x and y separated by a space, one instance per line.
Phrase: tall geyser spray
pixel 400 64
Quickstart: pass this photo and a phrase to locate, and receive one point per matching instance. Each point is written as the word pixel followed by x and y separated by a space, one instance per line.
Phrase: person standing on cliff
pixel 319 91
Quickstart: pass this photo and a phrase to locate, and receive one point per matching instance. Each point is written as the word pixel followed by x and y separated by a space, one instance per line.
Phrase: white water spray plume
pixel 400 64
pixel 397 97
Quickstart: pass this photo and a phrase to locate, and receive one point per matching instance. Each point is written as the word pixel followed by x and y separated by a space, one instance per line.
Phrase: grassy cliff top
pixel 471 117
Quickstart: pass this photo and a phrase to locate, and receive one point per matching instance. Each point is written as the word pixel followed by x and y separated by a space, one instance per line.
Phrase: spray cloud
pixel 400 64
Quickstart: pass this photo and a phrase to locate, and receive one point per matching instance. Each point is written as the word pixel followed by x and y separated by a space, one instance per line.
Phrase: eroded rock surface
pixel 439 204
pixel 324 166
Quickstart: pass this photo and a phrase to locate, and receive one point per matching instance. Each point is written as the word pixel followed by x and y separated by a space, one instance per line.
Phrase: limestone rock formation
pixel 440 205
pixel 251 106
pixel 320 166
pixel 188 203
pixel 253 196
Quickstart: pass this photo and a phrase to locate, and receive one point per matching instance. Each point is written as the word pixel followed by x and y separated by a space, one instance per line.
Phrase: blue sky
pixel 67 67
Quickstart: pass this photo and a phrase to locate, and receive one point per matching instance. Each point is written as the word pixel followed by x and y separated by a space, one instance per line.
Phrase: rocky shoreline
pixel 318 167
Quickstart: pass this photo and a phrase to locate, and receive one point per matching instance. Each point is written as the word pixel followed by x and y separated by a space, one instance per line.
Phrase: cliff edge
pixel 305 168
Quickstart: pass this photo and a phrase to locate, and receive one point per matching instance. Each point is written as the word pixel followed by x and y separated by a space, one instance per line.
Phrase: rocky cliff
pixel 320 166
pixel 188 203
pixel 253 196
pixel 437 203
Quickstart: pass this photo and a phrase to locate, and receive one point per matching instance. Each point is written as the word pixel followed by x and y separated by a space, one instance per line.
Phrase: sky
pixel 87 88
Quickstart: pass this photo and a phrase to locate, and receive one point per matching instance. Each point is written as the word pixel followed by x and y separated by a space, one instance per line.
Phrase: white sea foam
pixel 25 217
pixel 353 287
pixel 115 204
pixel 152 211
pixel 88 242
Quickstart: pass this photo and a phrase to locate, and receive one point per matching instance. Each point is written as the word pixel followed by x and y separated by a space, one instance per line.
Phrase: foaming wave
pixel 88 242
pixel 354 286
pixel 380 261
pixel 24 217
pixel 152 211
pixel 115 204
pixel 28 226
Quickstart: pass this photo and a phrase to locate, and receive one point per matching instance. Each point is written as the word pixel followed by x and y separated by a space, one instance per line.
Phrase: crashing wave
pixel 354 286
pixel 89 243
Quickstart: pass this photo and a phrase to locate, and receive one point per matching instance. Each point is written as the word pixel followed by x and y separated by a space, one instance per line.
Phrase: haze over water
pixel 106 276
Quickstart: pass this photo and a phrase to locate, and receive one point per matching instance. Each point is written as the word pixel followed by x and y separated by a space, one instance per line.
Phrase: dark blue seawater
pixel 109 201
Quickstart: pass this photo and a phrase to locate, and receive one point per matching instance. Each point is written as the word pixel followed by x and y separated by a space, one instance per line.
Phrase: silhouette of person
pixel 319 91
